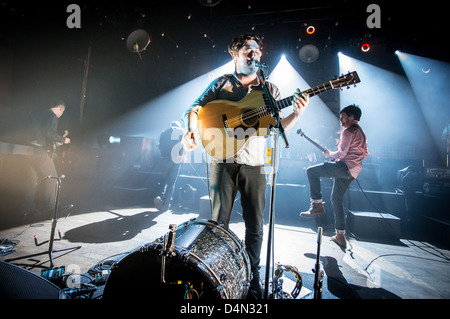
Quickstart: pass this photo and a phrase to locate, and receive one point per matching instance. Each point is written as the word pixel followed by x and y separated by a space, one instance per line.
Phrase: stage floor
pixel 403 269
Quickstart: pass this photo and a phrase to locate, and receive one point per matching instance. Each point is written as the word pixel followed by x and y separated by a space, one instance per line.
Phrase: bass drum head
pixel 138 276
pixel 209 263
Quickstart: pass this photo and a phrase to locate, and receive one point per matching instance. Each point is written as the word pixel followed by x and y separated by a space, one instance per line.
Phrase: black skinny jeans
pixel 228 178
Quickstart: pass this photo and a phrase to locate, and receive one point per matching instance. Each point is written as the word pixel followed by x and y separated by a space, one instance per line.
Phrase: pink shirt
pixel 352 148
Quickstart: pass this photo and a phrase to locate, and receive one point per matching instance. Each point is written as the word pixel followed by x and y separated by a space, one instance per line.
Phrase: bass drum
pixel 209 262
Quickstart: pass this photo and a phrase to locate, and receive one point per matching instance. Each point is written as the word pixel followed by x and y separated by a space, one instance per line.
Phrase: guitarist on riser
pixel 44 146
pixel 243 171
pixel 346 165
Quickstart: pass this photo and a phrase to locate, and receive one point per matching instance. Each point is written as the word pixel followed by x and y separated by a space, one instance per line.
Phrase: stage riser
pixel 394 203
pixel 373 226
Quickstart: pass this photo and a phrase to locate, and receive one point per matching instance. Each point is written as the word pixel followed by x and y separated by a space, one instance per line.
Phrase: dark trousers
pixel 41 192
pixel 341 180
pixel 228 178
pixel 170 172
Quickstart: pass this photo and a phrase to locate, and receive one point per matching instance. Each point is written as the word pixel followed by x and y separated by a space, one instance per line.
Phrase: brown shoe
pixel 339 239
pixel 316 210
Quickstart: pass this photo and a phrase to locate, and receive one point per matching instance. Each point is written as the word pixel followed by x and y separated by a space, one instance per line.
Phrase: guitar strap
pixel 226 78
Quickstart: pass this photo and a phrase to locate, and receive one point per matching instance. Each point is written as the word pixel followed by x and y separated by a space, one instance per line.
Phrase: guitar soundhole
pixel 249 118
pixel 249 127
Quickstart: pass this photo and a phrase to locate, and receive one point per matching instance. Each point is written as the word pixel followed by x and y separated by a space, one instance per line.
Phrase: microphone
pixel 261 65
pixel 258 64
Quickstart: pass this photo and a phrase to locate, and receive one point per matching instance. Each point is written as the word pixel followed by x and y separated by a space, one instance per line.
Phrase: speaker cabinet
pixel 19 283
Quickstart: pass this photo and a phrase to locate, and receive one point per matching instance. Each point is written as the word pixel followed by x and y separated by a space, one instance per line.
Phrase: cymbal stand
pixel 50 250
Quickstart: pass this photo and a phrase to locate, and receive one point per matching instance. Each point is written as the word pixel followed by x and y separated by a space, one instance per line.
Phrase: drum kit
pixel 197 259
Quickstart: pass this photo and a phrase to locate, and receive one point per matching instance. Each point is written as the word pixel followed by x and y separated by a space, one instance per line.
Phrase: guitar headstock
pixel 346 80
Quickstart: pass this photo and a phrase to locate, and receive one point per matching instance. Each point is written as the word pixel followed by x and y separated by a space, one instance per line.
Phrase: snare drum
pixel 209 262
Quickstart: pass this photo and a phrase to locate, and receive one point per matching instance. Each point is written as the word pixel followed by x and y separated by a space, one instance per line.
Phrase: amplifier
pixel 373 226
pixel 437 173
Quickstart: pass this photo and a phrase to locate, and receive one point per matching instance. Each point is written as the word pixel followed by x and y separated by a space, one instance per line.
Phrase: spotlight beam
pixel 429 80
pixel 391 113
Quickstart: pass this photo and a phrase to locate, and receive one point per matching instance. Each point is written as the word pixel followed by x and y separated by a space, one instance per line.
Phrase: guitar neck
pixel 314 143
pixel 338 83
pixel 286 102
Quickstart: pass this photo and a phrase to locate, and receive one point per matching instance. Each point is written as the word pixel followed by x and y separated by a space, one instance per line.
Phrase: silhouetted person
pixel 41 192
pixel 172 155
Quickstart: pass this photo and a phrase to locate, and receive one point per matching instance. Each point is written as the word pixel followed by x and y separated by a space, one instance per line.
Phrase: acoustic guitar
pixel 225 126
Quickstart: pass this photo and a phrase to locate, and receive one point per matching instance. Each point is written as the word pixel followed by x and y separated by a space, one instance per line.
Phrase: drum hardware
pixel 278 292
pixel 167 251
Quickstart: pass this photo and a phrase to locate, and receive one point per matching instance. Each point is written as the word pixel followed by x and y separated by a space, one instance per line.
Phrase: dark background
pixel 41 57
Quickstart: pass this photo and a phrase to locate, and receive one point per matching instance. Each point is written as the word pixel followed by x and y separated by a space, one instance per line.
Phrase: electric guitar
pixel 51 148
pixel 225 126
pixel 56 145
pixel 301 133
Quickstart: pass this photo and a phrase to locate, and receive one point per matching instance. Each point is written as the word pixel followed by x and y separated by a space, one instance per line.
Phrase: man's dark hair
pixel 239 41
pixel 55 102
pixel 352 109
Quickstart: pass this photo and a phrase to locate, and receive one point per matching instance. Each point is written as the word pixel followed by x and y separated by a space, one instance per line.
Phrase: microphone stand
pixel 50 250
pixel 318 273
pixel 276 113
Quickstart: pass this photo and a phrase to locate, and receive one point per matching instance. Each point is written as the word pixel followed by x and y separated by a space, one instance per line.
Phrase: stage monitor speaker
pixel 373 226
pixel 19 283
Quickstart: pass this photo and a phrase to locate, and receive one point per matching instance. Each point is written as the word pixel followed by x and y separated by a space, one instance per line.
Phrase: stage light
pixel 114 139
pixel 346 64
pixel 400 55
pixel 310 30
pixel 429 80
pixel 365 47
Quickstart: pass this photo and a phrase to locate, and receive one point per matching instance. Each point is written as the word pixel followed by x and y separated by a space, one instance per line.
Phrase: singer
pixel 245 173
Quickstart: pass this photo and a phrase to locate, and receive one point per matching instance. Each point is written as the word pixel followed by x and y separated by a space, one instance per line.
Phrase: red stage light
pixel 310 30
pixel 365 47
